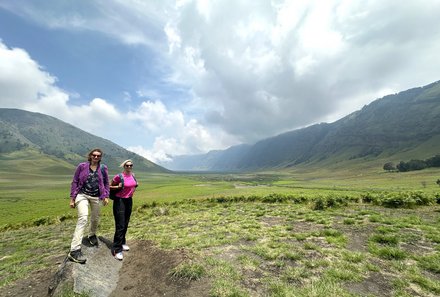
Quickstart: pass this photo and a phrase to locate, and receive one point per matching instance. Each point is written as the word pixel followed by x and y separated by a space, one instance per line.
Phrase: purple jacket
pixel 81 174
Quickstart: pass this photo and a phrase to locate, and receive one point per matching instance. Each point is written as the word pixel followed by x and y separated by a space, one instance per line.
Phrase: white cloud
pixel 24 84
pixel 274 66
pixel 154 155
pixel 169 131
pixel 132 22
pixel 175 135
pixel 249 69
pixel 155 117
pixel 22 80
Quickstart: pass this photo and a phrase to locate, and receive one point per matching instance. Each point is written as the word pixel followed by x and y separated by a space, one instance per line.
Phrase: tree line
pixel 413 164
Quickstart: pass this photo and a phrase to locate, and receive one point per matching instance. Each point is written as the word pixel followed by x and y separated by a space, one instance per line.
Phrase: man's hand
pixel 72 203
pixel 105 201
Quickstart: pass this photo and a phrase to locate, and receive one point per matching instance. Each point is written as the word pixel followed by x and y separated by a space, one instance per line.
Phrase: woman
pixel 89 187
pixel 122 205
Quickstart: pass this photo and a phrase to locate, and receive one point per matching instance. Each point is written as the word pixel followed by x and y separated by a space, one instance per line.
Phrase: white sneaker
pixel 119 256
pixel 125 247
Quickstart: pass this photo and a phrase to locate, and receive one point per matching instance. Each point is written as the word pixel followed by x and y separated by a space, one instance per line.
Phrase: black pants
pixel 122 212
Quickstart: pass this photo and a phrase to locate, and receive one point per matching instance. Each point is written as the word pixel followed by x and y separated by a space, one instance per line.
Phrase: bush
pixel 389 166
pixel 421 198
pixel 331 201
pixel 270 198
pixel 404 199
pixel 397 200
pixel 367 198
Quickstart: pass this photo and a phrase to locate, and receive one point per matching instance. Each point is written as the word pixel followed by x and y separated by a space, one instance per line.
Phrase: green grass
pixel 189 271
pixel 23 192
pixel 430 262
pixel 277 262
pixel 265 239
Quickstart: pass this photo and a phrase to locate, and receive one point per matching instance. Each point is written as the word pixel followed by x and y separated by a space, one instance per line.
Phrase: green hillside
pixel 49 143
pixel 394 128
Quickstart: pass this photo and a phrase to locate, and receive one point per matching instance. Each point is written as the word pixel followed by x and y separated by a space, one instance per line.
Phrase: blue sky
pixel 165 78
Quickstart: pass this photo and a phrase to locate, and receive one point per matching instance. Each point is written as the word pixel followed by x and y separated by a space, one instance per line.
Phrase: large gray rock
pixel 98 277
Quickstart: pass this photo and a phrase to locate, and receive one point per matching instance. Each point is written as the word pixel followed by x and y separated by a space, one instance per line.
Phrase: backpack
pixel 113 192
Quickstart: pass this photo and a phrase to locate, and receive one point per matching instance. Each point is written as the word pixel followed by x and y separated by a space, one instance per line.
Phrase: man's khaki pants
pixel 82 203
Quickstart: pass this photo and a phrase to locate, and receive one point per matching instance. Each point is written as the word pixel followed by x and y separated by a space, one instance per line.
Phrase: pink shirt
pixel 129 185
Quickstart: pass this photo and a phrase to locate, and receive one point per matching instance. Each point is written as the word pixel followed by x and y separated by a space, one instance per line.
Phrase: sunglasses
pixel 96 156
pixel 126 165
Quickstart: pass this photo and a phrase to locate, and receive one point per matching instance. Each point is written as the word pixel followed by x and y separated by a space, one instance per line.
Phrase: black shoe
pixel 93 240
pixel 77 257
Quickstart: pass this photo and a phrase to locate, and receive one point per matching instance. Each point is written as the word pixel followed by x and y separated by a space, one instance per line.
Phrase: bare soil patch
pixel 376 284
pixel 35 285
pixel 146 271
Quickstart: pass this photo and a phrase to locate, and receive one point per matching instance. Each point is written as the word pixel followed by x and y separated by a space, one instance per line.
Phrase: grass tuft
pixel 387 252
pixel 430 262
pixel 188 270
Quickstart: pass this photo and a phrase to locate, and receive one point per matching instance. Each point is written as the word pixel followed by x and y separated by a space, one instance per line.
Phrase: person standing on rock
pixel 90 187
pixel 125 184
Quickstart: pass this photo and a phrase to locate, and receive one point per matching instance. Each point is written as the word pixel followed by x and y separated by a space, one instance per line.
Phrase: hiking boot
pixel 118 256
pixel 77 257
pixel 125 247
pixel 93 240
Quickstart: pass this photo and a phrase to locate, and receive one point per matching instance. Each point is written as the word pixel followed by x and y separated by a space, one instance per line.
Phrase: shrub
pixel 367 198
pixel 404 199
pixel 274 198
pixel 270 198
pixel 397 200
pixel 389 166
pixel 330 201
pixel 320 203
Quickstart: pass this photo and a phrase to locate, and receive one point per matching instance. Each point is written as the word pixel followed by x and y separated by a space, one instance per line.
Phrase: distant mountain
pixel 404 125
pixel 22 131
pixel 221 160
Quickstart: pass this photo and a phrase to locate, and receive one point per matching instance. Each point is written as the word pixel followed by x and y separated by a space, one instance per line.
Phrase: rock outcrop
pixel 98 277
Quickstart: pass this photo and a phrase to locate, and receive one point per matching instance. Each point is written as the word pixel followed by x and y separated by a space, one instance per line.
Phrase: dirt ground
pixel 145 272
pixel 33 286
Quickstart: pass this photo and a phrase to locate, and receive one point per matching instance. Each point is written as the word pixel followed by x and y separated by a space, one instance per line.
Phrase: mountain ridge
pixel 389 127
pixel 395 127
pixel 25 131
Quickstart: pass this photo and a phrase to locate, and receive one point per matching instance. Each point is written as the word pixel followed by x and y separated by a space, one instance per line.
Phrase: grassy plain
pixel 27 198
pixel 249 247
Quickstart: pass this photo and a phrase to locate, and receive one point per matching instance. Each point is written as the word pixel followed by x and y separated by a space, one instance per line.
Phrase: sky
pixel 167 78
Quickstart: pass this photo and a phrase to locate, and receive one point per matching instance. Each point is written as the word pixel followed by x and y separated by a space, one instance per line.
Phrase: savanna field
pixel 311 233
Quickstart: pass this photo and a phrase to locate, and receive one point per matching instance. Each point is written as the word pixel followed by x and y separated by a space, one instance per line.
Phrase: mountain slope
pixel 22 131
pixel 403 125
